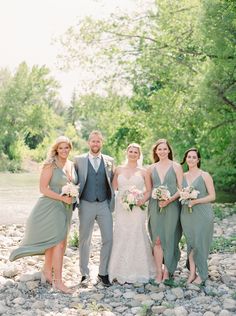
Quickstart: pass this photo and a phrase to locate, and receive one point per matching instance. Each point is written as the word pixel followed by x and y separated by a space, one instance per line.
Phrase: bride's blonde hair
pixel 52 157
pixel 135 145
pixel 140 160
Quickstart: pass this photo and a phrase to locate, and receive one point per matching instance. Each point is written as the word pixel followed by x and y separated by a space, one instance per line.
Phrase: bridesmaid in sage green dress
pixel 49 222
pixel 197 217
pixel 164 216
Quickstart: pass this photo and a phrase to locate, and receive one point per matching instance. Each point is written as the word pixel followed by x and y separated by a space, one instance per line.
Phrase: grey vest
pixel 96 187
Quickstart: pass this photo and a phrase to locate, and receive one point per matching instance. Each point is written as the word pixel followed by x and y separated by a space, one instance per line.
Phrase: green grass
pixel 74 239
pixel 182 242
pixel 96 308
pixel 222 211
pixel 145 311
pixel 168 305
pixel 222 245
pixel 174 283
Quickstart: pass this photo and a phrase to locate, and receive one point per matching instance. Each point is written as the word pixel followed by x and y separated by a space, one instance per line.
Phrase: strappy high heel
pixel 154 282
pixel 44 279
pixel 191 279
pixel 198 282
pixel 165 276
pixel 62 288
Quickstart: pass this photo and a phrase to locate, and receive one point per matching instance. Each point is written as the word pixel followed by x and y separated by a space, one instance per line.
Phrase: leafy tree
pixel 177 58
pixel 27 112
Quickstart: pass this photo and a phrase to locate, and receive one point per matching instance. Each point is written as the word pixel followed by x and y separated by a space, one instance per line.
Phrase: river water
pixel 18 195
pixel 20 191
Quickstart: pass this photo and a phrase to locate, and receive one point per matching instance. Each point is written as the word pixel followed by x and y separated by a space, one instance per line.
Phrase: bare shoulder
pixel 119 169
pixel 151 167
pixel 176 165
pixel 143 171
pixel 206 175
pixel 47 169
pixel 49 165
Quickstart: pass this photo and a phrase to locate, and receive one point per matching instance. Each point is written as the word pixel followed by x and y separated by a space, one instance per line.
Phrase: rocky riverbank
pixel 21 291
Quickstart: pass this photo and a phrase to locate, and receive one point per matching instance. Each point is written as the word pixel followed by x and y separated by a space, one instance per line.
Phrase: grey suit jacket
pixel 81 167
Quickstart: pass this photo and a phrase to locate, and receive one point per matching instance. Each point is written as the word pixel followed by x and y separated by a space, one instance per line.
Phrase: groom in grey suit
pixel 95 173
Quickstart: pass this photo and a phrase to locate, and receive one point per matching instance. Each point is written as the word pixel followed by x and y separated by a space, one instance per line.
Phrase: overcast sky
pixel 27 28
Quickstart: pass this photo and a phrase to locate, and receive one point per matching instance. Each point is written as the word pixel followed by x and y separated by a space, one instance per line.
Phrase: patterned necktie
pixel 95 163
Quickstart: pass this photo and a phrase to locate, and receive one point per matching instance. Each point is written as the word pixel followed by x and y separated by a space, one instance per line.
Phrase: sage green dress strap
pixel 49 221
pixel 166 224
pixel 198 228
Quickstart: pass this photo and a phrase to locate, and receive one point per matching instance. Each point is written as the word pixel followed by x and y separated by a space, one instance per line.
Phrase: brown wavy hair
pixel 198 155
pixel 158 142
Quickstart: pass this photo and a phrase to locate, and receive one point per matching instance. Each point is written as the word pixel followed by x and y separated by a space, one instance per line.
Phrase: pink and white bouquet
pixel 187 194
pixel 161 193
pixel 131 197
pixel 70 189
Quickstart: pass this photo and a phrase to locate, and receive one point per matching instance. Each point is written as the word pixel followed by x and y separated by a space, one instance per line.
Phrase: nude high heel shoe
pixel 43 279
pixel 59 286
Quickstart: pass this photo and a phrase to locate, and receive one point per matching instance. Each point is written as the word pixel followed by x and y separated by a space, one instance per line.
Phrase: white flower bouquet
pixel 161 193
pixel 187 194
pixel 131 197
pixel 70 189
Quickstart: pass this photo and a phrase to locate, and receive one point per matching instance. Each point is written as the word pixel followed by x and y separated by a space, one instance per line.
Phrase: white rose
pixel 130 198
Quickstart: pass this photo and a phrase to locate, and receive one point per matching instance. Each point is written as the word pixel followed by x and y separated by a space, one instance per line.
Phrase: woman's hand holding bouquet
pixel 187 195
pixel 161 193
pixel 70 190
pixel 132 197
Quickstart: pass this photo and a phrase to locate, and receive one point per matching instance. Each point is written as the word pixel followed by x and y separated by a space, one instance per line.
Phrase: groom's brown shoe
pixel 104 279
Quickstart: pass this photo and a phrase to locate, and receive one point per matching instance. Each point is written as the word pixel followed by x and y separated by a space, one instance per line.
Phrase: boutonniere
pixel 108 165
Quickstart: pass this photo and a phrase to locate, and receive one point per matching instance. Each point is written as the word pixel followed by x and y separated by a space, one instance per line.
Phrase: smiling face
pixel 133 153
pixel 192 159
pixel 63 150
pixel 162 151
pixel 95 144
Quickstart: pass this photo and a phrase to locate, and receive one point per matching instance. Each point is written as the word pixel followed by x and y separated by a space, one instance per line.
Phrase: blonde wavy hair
pixel 97 133
pixel 52 157
pixel 140 160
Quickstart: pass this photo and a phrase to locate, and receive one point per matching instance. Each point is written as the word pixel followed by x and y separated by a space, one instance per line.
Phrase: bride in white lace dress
pixel 131 258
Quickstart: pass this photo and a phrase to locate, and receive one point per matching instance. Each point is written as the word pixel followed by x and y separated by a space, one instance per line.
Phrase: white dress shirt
pixel 91 159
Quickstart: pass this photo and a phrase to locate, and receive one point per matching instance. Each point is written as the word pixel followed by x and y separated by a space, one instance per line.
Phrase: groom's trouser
pixel 88 213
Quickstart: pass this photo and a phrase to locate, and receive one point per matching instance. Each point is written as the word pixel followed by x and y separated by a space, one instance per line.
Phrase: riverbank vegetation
pixel 167 71
pixel 223 244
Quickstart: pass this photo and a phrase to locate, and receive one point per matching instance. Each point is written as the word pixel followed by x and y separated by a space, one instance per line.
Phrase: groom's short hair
pixel 97 133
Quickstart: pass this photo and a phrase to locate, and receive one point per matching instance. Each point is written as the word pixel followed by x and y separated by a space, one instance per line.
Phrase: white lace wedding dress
pixel 131 258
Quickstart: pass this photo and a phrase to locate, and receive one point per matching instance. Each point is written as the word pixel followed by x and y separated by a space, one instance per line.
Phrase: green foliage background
pixel 167 71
